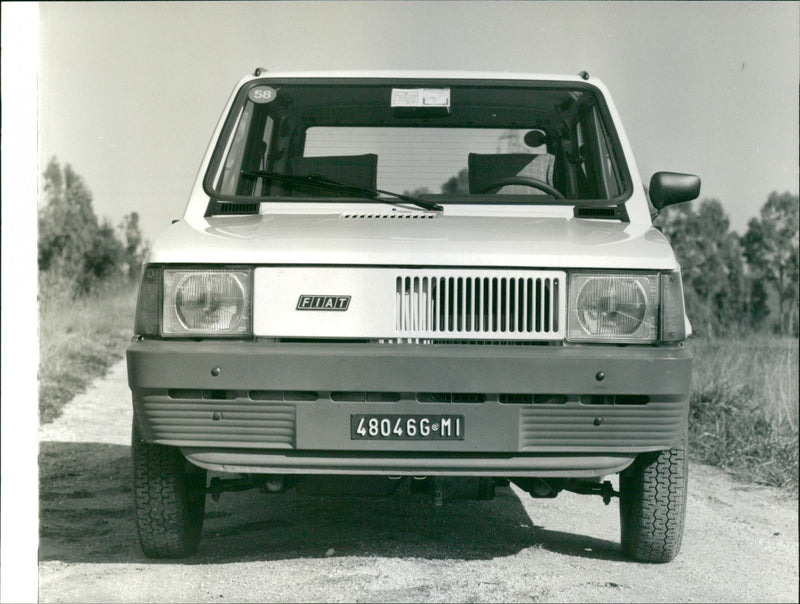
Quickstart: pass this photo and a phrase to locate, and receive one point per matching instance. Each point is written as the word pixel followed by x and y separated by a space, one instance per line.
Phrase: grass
pixel 79 338
pixel 744 408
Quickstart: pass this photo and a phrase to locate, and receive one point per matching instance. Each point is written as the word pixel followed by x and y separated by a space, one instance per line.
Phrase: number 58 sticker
pixel 262 94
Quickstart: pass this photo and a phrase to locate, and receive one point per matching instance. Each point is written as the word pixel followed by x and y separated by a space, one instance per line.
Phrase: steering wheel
pixel 525 181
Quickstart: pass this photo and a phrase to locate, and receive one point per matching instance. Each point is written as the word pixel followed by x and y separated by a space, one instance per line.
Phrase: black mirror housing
pixel 667 188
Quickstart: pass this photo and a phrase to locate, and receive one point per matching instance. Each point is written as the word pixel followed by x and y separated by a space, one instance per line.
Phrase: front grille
pixel 518 305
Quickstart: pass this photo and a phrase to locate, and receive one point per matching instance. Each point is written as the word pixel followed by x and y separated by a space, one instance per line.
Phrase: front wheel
pixel 169 497
pixel 652 505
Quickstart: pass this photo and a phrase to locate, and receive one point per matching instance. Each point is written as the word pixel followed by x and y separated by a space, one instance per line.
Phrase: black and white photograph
pixel 400 301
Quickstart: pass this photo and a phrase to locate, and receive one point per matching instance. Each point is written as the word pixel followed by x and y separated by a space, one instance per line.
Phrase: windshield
pixel 451 142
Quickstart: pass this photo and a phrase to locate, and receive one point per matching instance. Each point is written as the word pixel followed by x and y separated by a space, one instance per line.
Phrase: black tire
pixel 652 505
pixel 169 498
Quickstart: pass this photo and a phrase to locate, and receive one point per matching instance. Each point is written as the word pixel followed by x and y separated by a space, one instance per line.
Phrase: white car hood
pixel 424 240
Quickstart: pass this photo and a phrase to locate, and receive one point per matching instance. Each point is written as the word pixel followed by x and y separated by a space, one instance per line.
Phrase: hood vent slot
pixel 609 213
pixel 402 216
pixel 228 207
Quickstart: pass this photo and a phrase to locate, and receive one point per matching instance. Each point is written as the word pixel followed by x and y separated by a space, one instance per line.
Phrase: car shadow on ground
pixel 86 515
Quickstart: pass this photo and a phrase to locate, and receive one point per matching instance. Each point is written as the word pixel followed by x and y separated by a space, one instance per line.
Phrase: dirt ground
pixel 740 545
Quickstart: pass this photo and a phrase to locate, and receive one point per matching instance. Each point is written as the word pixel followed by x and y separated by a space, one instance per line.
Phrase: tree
pixel 714 277
pixel 757 307
pixel 103 257
pixel 71 242
pixel 67 222
pixel 133 243
pixel 732 303
pixel 457 184
pixel 771 249
pixel 417 192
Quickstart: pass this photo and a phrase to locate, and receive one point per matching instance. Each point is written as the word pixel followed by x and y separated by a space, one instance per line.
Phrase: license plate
pixel 407 427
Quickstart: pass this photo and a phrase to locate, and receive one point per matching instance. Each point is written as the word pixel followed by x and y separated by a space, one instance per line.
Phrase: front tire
pixel 652 505
pixel 169 498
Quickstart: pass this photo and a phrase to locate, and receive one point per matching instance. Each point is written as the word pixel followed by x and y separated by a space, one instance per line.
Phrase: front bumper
pixel 536 410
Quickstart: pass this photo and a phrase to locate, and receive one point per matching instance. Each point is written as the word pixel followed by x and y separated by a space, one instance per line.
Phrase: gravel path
pixel 741 542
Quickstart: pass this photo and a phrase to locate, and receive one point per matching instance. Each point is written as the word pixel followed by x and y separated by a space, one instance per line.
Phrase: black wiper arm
pixel 321 182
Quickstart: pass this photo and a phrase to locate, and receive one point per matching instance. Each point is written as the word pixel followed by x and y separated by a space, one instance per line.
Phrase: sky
pixel 129 93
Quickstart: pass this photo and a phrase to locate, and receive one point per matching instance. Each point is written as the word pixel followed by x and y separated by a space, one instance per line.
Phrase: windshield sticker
pixel 262 94
pixel 421 97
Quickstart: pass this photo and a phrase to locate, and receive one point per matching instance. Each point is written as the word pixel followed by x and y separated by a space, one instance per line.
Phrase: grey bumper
pixel 240 401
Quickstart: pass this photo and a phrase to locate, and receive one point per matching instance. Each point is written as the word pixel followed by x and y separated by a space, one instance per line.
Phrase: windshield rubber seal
pixel 219 200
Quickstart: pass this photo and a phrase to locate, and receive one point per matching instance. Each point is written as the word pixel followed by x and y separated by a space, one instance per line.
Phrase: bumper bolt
pixel 598 421
pixel 216 371
pixel 600 376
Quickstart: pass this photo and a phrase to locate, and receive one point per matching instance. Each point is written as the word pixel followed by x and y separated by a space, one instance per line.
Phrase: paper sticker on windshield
pixel 420 97
pixel 262 94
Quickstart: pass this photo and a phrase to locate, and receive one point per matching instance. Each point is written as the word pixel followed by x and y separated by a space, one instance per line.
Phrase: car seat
pixel 354 170
pixel 485 169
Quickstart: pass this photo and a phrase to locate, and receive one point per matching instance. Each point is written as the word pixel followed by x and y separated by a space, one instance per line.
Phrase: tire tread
pixel 653 494
pixel 169 500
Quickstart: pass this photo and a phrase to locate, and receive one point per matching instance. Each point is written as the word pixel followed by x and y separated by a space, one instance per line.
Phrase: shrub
pixel 744 408
pixel 79 338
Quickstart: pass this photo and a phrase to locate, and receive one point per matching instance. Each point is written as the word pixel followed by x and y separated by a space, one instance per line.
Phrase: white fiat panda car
pixel 445 280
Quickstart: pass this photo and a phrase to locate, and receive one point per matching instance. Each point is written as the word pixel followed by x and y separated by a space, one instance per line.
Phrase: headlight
pixel 206 302
pixel 613 307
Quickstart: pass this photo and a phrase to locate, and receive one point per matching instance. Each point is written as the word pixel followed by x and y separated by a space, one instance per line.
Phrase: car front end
pixel 303 321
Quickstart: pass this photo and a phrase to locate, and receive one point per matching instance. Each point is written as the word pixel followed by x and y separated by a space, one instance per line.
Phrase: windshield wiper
pixel 320 182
